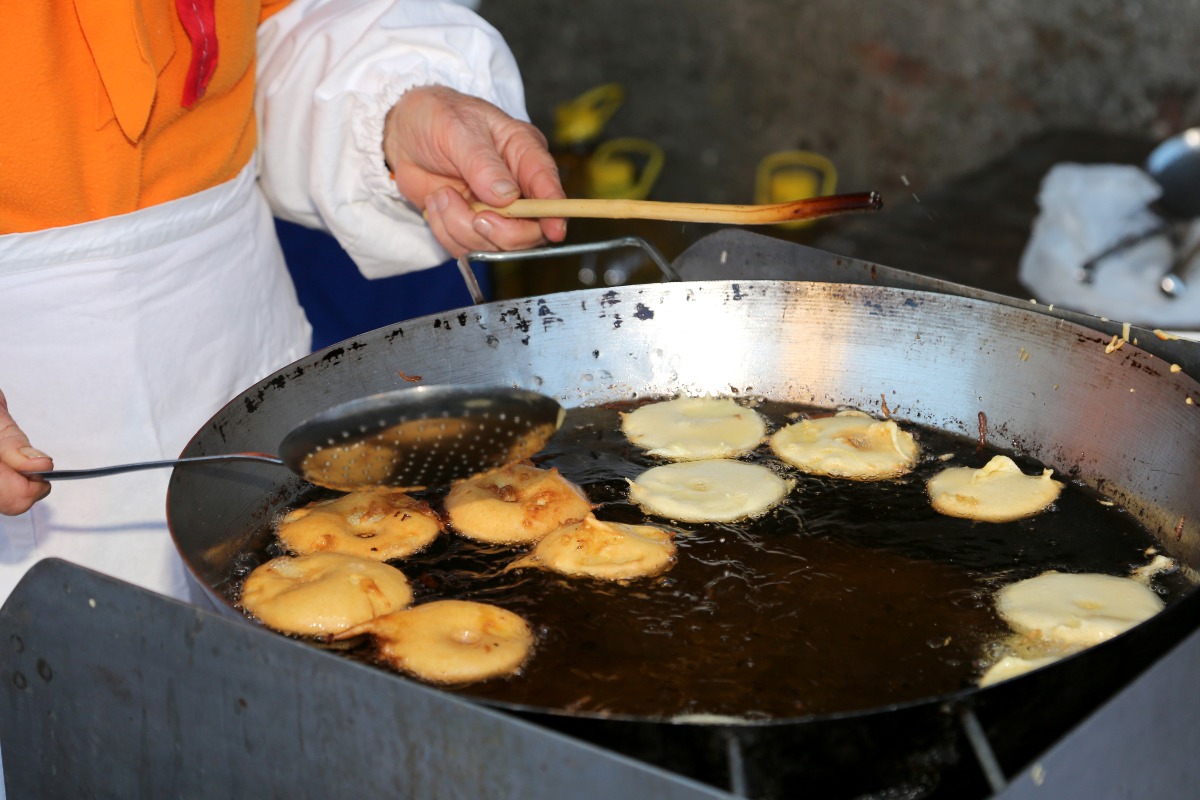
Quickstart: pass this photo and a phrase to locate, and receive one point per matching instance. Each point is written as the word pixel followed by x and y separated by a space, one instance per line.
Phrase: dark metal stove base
pixel 112 691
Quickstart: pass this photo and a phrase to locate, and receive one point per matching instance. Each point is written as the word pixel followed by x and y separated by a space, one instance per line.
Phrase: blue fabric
pixel 341 303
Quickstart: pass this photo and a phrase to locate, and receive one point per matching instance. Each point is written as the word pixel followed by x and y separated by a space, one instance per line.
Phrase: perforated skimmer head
pixel 420 437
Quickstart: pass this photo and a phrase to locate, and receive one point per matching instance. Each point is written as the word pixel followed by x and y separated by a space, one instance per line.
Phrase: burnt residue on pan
pixel 850 596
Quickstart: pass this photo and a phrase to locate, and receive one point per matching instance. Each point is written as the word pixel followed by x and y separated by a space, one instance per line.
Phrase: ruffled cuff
pixel 329 75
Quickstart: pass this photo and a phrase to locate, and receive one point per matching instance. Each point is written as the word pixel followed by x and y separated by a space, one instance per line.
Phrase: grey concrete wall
pixel 891 91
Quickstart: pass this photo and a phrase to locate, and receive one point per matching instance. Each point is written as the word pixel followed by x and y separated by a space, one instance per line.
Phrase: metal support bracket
pixel 468 275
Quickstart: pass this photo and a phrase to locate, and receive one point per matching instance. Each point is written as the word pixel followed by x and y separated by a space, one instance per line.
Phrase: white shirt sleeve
pixel 328 72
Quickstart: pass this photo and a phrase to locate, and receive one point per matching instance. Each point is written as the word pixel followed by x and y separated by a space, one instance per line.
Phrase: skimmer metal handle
pixel 100 472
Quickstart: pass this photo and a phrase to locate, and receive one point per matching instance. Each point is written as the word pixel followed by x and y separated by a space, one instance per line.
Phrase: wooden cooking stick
pixel 811 208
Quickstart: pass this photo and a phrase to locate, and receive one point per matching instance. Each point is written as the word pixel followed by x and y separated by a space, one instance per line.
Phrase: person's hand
pixel 18 493
pixel 447 149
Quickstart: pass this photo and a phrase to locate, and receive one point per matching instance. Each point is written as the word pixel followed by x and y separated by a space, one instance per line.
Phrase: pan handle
pixel 468 275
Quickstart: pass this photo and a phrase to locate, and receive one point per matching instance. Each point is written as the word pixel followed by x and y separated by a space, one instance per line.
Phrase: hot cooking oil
pixel 850 595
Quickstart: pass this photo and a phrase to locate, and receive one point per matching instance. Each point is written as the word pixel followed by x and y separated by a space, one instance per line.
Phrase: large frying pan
pixel 1122 421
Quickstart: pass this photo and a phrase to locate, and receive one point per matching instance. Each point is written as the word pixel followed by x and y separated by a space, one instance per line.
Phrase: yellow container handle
pixel 624 169
pixel 583 119
pixel 794 175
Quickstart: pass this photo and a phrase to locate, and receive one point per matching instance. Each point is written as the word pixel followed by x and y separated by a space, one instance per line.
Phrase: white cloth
pixel 328 72
pixel 121 337
pixel 1085 209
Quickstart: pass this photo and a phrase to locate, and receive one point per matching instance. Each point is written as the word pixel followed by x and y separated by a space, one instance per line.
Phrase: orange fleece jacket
pixel 92 122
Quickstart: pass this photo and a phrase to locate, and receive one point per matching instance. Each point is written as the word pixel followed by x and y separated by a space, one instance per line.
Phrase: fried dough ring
pixel 1077 610
pixel 610 551
pixel 450 641
pixel 1012 666
pixel 997 492
pixel 849 444
pixel 515 504
pixel 351 466
pixel 323 593
pixel 689 428
pixel 382 525
pixel 709 490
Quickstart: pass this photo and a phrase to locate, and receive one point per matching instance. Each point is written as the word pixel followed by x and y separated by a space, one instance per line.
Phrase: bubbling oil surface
pixel 849 595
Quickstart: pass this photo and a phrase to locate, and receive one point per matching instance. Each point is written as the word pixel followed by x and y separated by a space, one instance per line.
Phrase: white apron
pixel 118 339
